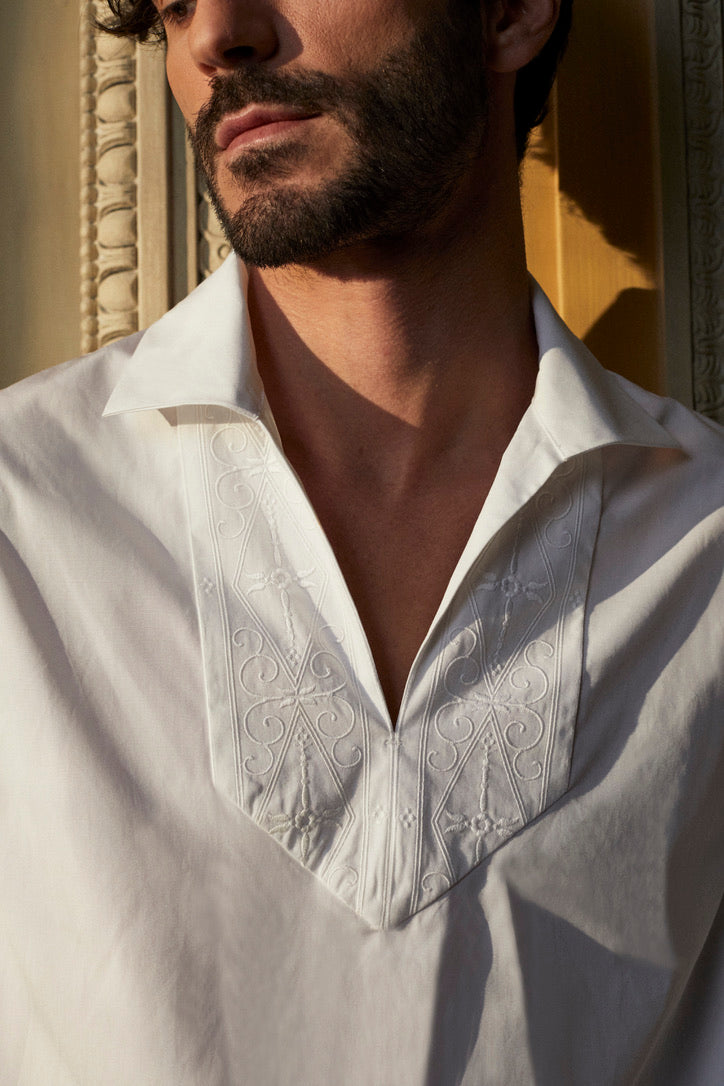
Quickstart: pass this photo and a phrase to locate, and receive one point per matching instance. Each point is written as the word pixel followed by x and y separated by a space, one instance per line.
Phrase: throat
pixel 397 561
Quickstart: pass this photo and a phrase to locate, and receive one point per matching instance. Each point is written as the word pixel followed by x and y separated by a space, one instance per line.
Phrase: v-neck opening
pixel 464 560
pixel 300 736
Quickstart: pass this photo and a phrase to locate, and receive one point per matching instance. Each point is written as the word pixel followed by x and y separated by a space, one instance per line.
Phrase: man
pixel 363 637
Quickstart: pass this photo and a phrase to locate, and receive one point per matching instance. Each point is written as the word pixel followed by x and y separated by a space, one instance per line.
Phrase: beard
pixel 416 122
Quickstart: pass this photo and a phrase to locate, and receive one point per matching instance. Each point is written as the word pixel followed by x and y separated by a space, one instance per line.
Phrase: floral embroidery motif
pixel 527 685
pixel 306 820
pixel 282 579
pixel 511 587
pixel 483 823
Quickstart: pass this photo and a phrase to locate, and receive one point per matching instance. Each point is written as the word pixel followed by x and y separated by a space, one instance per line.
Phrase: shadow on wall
pixel 603 143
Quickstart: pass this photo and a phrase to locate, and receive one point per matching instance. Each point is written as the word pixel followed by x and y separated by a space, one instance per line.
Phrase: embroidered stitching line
pixel 223 611
pixel 484 822
pixel 289 684
pixel 306 819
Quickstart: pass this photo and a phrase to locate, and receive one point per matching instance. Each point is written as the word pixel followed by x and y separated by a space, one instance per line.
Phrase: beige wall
pixel 39 153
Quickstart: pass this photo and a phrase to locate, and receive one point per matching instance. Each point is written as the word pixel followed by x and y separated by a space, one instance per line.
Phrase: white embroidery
pixel 297 738
pixel 306 820
pixel 344 879
pixel 282 580
pixel 482 823
pixel 511 587
pixel 555 501
pixel 234 496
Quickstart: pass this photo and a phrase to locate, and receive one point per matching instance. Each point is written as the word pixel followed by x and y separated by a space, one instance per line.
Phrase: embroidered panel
pixel 495 741
pixel 299 735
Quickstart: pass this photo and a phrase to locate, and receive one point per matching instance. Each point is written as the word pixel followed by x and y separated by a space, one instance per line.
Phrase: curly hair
pixel 138 19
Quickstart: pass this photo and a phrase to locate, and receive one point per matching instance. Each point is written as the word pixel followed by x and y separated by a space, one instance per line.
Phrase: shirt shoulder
pixel 697 435
pixel 661 496
pixel 78 386
pixel 52 425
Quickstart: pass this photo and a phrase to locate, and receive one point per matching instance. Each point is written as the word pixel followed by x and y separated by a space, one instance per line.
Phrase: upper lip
pixel 254 117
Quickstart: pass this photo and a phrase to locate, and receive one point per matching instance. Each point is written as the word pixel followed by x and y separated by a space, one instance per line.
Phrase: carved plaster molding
pixel 109 234
pixel 213 248
pixel 701 31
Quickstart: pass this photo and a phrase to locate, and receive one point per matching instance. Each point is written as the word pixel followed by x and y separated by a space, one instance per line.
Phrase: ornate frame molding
pixel 212 246
pixel 703 83
pixel 127 192
pixel 109 229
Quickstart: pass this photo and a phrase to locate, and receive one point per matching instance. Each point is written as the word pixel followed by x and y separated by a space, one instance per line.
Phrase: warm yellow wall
pixel 591 190
pixel 39 153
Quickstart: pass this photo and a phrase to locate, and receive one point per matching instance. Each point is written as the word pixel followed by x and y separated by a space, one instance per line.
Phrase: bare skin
pixel 396 375
pixel 404 392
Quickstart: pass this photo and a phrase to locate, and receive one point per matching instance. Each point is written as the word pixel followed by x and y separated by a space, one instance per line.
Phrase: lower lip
pixel 264 132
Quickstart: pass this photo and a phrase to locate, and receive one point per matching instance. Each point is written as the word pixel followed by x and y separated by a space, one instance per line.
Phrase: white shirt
pixel 222 865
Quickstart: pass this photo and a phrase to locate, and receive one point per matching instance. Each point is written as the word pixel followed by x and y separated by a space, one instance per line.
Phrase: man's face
pixel 355 126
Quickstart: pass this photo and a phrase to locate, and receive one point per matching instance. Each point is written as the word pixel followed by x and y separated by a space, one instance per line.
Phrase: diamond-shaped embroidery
pixel 484 822
pixel 304 822
pixel 279 580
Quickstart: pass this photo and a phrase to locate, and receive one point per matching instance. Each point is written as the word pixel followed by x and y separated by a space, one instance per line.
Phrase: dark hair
pixel 139 19
pixel 534 83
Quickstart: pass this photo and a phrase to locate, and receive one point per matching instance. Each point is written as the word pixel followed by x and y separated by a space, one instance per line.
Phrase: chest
pixel 300 730
pixel 397 557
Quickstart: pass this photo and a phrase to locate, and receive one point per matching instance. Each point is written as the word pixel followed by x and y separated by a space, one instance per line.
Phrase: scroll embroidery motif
pixel 297 740
pixel 491 739
pixel 306 820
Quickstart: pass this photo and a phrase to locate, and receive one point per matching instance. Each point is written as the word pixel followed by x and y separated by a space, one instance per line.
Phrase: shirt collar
pixel 577 407
pixel 580 405
pixel 202 352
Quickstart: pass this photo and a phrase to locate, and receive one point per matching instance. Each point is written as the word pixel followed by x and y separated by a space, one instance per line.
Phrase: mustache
pixel 309 92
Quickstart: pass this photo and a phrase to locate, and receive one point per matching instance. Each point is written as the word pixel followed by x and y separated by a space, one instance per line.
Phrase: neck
pixel 394 355
pixel 397 376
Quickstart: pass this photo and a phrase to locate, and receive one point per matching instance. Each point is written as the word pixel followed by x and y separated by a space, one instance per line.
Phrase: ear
pixel 517 30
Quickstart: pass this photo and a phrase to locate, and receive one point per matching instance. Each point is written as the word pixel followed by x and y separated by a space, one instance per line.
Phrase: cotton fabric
pixel 221 862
